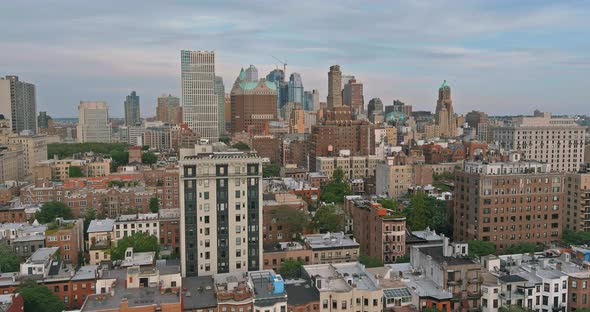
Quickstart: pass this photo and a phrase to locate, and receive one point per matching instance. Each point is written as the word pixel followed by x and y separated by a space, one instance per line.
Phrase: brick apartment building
pixel 508 202
pixel 380 232
pixel 68 236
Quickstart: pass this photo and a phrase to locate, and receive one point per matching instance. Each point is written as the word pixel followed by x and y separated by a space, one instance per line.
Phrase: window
pixel 325 304
pixel 343 304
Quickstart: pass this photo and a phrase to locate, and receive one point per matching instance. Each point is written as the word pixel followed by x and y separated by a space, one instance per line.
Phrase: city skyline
pixel 531 52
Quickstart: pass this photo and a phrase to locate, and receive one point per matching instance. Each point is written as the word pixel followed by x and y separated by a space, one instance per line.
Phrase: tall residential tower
pixel 93 123
pixel 18 103
pixel 199 100
pixel 334 85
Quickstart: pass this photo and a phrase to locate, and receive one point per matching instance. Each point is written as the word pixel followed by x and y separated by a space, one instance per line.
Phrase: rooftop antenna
pixel 284 65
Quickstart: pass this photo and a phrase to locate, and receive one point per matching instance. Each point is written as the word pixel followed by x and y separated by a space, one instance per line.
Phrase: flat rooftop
pixel 200 293
pixel 43 254
pixel 136 297
pixel 329 241
pixel 104 225
pixel 340 276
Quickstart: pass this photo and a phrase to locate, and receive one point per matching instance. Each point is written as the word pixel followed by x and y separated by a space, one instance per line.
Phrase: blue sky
pixel 502 57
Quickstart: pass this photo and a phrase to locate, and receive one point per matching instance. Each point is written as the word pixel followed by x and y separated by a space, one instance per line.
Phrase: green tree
pixel 479 248
pixel 291 268
pixel 89 215
pixel 9 261
pixel 522 247
pixel 271 170
pixel 39 298
pixel 116 183
pixel 63 150
pixel 418 217
pixel 576 238
pixel 403 259
pixel 426 211
pixel 296 219
pixel 141 242
pixel 389 203
pixel 329 218
pixel 145 148
pixel 241 146
pixel 51 210
pixel 370 262
pixel 336 189
pixel 119 158
pixel 148 158
pixel 224 139
pixel 154 204
pixel 75 172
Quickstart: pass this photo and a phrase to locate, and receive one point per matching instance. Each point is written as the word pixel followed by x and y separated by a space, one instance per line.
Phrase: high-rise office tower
pixel 315 99
pixel 43 120
pixel 307 100
pixel 199 101
pixel 18 104
pixel 220 211
pixel 445 115
pixel 278 77
pixel 346 79
pixel 295 88
pixel 220 91
pixel 169 109
pixel 251 73
pixel 352 96
pixel 93 122
pixel 132 116
pixel 334 85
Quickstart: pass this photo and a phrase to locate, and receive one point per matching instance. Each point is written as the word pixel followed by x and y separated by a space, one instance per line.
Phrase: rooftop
pixel 340 277
pixel 104 225
pixel 135 297
pixel 200 293
pixel 329 241
pixel 300 292
pixel 43 254
pixel 436 252
pixel 266 284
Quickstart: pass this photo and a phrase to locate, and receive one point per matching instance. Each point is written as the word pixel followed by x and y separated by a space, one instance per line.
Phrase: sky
pixel 501 57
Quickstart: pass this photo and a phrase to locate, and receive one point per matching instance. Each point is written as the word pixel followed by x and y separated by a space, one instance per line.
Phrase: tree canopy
pixel 148 158
pixel 51 210
pixel 426 211
pixel 336 189
pixel 388 203
pixel 370 262
pixel 271 170
pixel 291 268
pixel 296 219
pixel 329 218
pixel 39 298
pixel 140 242
pixel 154 204
pixel 75 172
pixel 9 261
pixel 479 248
pixel 576 238
pixel 241 146
pixel 522 247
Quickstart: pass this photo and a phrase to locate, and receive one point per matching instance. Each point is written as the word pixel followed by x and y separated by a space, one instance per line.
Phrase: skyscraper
pixel 220 91
pixel 132 116
pixel 295 88
pixel 307 100
pixel 315 98
pixel 199 100
pixel 220 211
pixel 445 115
pixel 346 79
pixel 18 103
pixel 375 107
pixel 93 122
pixel 334 85
pixel 43 120
pixel 251 73
pixel 278 77
pixel 352 96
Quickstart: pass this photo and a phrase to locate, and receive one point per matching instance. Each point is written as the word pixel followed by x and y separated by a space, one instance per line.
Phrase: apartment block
pixel 558 141
pixel 576 215
pixel 221 211
pixel 380 232
pixel 354 167
pixel 508 202
pixel 68 236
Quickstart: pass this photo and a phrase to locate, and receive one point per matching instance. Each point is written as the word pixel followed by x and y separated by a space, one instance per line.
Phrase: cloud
pixel 74 50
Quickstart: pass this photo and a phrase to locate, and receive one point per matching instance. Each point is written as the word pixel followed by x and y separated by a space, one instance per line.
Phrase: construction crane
pixel 284 65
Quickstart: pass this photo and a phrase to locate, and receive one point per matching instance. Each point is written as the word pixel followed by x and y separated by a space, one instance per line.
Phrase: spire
pixel 444 84
pixel 242 74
